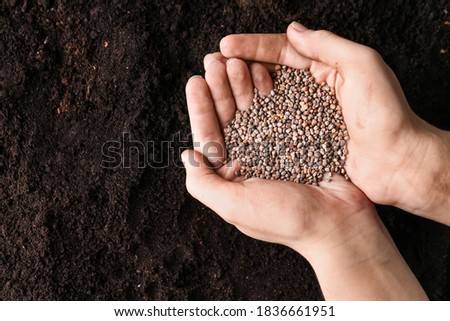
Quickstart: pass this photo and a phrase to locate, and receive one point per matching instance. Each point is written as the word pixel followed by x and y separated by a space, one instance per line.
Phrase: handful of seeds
pixel 296 133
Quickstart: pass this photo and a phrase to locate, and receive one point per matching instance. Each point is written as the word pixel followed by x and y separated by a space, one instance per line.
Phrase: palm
pixel 293 212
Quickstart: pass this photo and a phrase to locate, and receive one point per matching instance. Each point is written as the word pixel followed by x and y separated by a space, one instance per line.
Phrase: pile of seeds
pixel 296 133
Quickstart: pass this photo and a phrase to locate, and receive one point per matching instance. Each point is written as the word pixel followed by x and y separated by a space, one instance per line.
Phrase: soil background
pixel 75 75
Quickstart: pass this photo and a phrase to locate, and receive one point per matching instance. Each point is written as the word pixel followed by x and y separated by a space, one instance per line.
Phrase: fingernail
pixel 298 26
pixel 195 76
pixel 206 60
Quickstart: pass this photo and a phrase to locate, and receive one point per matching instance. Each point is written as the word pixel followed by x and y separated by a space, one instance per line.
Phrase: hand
pixel 282 212
pixel 394 157
pixel 333 225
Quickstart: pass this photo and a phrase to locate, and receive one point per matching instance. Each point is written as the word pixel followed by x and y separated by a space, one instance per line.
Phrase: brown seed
pixel 296 133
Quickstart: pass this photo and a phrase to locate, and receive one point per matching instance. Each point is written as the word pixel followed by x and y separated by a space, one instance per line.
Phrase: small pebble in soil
pixel 296 133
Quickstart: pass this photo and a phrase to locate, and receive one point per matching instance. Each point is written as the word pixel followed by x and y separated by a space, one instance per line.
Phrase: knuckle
pixel 236 69
pixel 324 34
pixel 370 54
pixel 210 139
pixel 258 75
pixel 215 67
pixel 238 76
pixel 211 58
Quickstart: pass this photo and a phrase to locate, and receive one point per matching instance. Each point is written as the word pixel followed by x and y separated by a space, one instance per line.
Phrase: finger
pixel 270 67
pixel 240 83
pixel 323 46
pixel 217 79
pixel 220 195
pixel 261 78
pixel 218 56
pixel 213 57
pixel 206 132
pixel 269 48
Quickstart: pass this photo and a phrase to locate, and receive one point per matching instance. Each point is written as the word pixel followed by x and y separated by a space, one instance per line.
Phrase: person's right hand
pixel 394 157
pixel 333 225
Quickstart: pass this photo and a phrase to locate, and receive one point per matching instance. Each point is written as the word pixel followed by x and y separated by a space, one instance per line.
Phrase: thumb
pixel 203 183
pixel 324 46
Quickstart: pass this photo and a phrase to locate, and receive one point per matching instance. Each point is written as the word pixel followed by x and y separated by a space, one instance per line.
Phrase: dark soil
pixel 74 76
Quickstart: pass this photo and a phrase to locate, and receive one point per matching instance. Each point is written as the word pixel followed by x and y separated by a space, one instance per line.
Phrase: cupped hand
pixel 275 211
pixel 333 225
pixel 392 154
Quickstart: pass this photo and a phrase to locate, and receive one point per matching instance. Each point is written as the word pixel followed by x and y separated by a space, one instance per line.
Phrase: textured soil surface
pixel 74 76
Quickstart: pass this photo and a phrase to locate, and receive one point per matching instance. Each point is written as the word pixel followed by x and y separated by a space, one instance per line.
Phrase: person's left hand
pixel 333 225
pixel 283 212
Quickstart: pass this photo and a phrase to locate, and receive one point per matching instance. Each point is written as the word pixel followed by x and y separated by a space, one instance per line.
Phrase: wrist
pixel 363 265
pixel 425 187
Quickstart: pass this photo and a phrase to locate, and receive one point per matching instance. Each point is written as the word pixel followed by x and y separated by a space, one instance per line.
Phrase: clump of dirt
pixel 76 77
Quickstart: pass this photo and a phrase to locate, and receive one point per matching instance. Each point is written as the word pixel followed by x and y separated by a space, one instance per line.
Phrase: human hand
pixel 394 157
pixel 275 211
pixel 333 225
